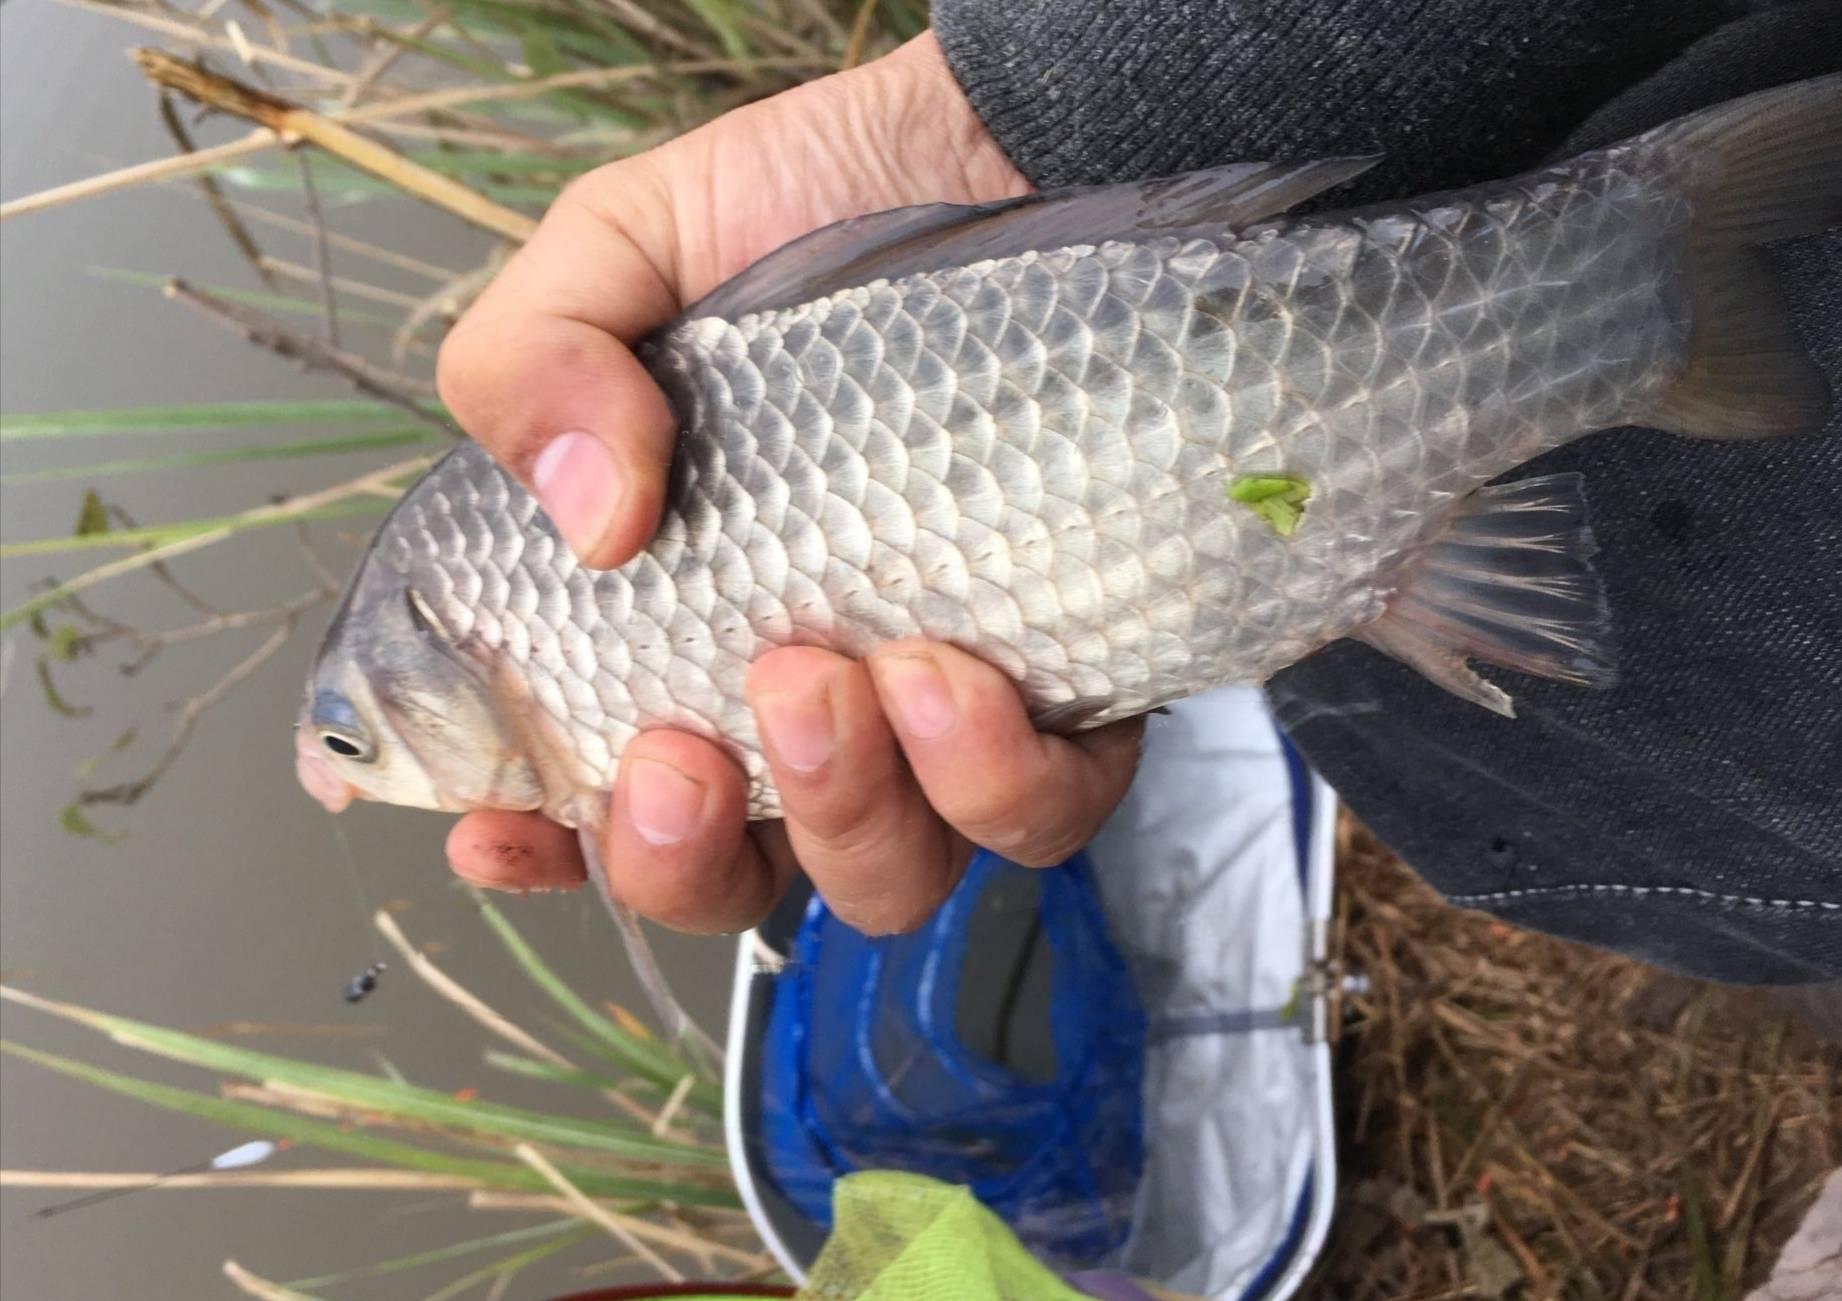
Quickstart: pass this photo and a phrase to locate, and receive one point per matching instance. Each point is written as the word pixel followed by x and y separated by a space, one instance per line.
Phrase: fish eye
pixel 339 728
pixel 343 746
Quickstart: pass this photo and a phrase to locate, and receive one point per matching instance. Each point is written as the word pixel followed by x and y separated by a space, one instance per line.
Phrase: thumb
pixel 541 371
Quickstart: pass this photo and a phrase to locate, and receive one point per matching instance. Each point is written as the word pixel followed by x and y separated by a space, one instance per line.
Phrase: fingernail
pixel 798 729
pixel 919 694
pixel 579 487
pixel 664 804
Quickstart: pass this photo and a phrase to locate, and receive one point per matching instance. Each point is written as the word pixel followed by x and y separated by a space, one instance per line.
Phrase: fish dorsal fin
pixel 827 260
pixel 903 241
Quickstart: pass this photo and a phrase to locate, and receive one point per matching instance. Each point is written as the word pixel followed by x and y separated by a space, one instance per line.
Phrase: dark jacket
pixel 1691 815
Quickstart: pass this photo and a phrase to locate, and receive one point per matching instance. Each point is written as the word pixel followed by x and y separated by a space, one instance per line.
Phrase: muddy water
pixel 228 899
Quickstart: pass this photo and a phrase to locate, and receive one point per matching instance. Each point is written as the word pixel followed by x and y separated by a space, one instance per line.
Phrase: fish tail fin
pixel 1510 582
pixel 1765 167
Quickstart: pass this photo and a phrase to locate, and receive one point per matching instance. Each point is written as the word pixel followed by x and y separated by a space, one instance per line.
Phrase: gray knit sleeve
pixel 1451 91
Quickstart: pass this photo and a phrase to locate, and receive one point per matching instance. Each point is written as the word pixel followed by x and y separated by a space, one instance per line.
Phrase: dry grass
pixel 1524 1117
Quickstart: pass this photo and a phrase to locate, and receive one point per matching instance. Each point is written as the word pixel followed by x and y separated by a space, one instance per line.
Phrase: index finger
pixel 541 372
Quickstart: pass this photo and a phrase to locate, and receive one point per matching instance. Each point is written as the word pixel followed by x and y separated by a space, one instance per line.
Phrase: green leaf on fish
pixel 1279 499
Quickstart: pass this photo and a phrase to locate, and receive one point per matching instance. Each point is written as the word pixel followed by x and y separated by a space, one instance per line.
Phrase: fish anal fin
pixel 928 237
pixel 1510 582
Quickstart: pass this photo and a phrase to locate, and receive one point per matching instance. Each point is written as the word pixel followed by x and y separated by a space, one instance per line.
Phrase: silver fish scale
pixel 1030 458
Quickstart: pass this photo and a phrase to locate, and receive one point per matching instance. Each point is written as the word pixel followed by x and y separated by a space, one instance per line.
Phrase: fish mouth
pixel 317 777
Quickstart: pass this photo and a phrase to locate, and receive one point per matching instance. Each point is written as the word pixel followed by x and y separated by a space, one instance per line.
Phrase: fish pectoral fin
pixel 1510 582
pixel 682 1033
pixel 1071 716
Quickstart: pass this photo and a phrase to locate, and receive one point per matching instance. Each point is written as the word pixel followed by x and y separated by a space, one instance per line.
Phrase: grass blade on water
pixel 287 512
pixel 372 1093
pixel 204 417
pixel 453 1250
pixel 178 531
pixel 548 1072
pixel 282 304
pixel 250 1118
pixel 509 1267
pixel 643 1056
pixel 349 443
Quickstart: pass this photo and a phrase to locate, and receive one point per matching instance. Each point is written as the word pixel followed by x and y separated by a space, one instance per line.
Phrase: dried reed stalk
pixel 291 122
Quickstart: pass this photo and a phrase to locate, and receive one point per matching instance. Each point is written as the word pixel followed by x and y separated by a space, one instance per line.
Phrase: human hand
pixel 889 769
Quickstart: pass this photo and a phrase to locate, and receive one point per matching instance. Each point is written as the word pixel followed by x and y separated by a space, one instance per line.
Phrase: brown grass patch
pixel 1528 1118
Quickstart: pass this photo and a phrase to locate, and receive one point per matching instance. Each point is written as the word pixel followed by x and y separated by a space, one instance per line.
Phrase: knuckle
pixel 685 902
pixel 1035 832
pixel 581 193
pixel 846 829
pixel 610 198
pixel 894 917
pixel 992 812
pixel 844 812
pixel 898 912
pixel 1048 846
pixel 686 921
pixel 704 920
pixel 496 374
pixel 456 365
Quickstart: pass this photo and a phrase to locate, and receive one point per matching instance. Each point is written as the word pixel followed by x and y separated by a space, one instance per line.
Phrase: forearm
pixel 1450 91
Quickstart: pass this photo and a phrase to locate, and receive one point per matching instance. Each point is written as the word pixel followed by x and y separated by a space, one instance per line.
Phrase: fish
pixel 1125 443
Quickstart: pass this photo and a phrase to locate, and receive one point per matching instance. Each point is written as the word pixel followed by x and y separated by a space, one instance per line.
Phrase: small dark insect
pixel 363 983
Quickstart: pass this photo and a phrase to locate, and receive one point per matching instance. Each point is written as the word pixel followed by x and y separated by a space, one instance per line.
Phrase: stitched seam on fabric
pixel 1500 896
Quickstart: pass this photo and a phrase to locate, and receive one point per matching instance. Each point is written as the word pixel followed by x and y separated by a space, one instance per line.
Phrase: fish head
pixel 396 710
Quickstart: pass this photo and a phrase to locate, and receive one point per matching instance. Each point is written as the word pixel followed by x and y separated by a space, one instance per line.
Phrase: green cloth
pixel 904 1237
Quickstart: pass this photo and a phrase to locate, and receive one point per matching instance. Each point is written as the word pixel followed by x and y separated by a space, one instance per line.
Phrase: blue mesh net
pixel 865 1065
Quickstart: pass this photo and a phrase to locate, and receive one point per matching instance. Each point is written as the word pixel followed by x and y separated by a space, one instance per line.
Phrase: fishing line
pixel 359 986
pixel 351 871
pixel 237 1158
